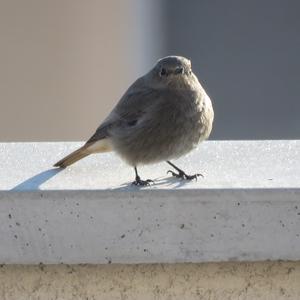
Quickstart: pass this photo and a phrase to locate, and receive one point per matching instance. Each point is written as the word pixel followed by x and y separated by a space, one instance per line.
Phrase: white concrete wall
pixel 246 208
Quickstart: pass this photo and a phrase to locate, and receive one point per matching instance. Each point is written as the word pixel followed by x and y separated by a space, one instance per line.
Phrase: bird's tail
pixel 102 145
pixel 73 157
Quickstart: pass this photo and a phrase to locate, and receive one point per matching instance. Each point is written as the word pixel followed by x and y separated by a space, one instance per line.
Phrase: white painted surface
pixel 247 207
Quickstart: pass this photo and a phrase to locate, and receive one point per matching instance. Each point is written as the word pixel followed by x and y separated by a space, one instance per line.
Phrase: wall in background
pixel 246 53
pixel 64 64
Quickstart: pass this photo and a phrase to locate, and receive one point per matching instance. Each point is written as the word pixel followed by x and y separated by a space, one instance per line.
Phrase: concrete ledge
pixel 247 207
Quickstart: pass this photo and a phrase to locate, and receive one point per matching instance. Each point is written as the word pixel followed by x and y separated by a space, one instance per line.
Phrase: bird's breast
pixel 187 123
pixel 171 129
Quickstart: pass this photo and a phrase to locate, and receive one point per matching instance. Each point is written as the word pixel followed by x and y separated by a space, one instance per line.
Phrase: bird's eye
pixel 163 72
pixel 179 70
pixel 132 122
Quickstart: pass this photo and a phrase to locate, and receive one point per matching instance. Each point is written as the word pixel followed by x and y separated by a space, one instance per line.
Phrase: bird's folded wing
pixel 135 104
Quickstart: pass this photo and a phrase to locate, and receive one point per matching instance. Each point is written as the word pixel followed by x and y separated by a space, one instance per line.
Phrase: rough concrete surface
pixel 224 164
pixel 209 281
pixel 99 227
pixel 246 208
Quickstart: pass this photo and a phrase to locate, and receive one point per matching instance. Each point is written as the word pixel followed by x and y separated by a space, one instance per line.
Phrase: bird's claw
pixel 182 175
pixel 139 182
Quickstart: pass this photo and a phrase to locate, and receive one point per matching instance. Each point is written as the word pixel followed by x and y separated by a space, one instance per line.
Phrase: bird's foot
pixel 182 175
pixel 139 182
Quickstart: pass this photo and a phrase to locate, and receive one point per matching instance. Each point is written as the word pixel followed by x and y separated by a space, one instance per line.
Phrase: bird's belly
pixel 161 143
pixel 181 140
pixel 171 137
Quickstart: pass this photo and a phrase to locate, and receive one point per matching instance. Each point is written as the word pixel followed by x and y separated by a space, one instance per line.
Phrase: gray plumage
pixel 163 115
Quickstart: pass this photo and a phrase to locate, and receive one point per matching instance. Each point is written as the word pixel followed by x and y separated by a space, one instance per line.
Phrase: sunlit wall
pixel 65 63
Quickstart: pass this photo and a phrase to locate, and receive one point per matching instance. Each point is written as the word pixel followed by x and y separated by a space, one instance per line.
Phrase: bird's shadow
pixel 34 182
pixel 171 182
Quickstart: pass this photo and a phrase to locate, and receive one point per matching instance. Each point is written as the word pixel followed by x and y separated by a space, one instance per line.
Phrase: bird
pixel 162 116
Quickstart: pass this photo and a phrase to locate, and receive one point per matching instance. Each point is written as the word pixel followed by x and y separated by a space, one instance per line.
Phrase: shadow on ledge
pixel 170 182
pixel 34 183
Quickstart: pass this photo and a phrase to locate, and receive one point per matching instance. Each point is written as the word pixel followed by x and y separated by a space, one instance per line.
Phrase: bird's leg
pixel 181 174
pixel 139 181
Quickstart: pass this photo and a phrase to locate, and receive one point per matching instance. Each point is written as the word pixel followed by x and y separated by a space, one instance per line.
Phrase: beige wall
pixel 64 63
pixel 223 281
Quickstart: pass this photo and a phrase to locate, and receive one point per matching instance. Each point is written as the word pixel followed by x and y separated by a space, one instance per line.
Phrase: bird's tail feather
pixel 73 157
pixel 102 145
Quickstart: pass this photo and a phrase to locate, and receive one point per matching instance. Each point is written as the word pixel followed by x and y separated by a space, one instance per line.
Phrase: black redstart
pixel 163 115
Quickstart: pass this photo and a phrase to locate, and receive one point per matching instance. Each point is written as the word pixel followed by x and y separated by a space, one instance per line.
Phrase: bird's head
pixel 173 71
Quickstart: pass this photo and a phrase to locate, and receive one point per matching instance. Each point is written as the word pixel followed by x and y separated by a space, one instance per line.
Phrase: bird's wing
pixel 135 103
